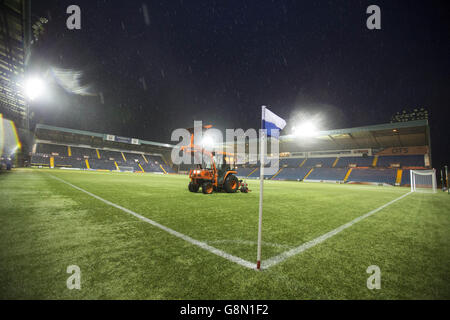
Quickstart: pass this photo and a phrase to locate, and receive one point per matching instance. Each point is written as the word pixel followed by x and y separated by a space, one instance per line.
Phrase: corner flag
pixel 273 124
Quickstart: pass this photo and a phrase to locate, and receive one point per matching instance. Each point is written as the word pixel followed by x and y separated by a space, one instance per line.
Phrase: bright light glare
pixel 34 87
pixel 207 141
pixel 306 129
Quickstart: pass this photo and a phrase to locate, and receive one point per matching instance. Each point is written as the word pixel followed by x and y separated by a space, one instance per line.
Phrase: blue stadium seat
pixel 373 175
pixel 344 162
pixel 292 173
pixel 406 177
pixel 244 172
pixel 405 161
pixel 325 162
pixel 291 162
pixel 330 174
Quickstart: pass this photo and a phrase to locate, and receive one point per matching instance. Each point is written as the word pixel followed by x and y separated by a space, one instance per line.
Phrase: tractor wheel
pixel 231 184
pixel 207 188
pixel 193 187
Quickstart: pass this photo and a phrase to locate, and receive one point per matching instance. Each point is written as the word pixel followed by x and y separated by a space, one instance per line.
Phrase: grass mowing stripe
pixel 287 254
pixel 177 234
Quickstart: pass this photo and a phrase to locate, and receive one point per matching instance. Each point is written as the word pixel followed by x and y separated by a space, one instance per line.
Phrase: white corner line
pixel 287 254
pixel 177 234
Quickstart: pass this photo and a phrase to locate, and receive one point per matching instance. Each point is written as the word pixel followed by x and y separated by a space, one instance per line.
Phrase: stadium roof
pixel 95 134
pixel 13 37
pixel 399 134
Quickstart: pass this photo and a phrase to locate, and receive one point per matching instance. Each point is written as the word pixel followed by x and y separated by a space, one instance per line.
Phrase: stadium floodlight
pixel 207 142
pixel 34 87
pixel 305 129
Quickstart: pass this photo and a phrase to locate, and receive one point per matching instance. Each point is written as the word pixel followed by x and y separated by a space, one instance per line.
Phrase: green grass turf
pixel 46 225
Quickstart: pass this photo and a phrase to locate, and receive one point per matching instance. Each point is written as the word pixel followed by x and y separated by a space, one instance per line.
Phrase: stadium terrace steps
pixel 335 162
pixel 309 172
pixel 375 161
pixel 348 174
pixel 278 172
pixel 303 162
pixel 398 179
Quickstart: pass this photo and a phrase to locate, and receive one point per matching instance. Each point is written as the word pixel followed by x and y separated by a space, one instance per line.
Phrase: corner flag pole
pixel 262 143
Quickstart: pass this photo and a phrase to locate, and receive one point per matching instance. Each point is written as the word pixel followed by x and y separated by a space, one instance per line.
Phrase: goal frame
pixel 417 188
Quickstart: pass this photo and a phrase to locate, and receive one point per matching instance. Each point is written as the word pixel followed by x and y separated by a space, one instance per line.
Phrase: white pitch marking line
pixel 287 254
pixel 249 243
pixel 177 234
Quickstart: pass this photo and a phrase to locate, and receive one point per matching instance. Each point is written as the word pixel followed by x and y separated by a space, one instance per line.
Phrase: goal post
pixel 423 180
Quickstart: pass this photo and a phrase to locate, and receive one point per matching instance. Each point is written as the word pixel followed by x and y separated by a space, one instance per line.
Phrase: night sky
pixel 150 67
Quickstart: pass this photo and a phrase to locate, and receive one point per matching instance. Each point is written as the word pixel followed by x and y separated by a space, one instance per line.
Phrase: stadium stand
pixel 344 162
pixel 68 148
pixel 83 152
pixel 291 162
pixel 382 160
pixel 324 162
pixel 40 160
pixel 70 162
pixel 404 161
pixel 327 174
pixel 387 176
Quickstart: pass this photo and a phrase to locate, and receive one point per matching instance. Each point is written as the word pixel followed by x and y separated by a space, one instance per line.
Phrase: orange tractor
pixel 211 177
pixel 215 178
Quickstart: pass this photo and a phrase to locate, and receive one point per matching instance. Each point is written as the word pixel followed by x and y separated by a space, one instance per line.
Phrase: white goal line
pixel 265 264
pixel 177 234
pixel 287 254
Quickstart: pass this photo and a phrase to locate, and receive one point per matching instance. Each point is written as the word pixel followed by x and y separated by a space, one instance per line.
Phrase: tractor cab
pixel 215 173
pixel 223 167
pixel 215 176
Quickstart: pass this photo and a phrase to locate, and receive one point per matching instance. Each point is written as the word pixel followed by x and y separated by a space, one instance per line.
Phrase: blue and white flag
pixel 272 123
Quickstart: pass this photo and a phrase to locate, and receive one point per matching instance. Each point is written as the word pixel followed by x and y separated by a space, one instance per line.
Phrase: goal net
pixel 423 180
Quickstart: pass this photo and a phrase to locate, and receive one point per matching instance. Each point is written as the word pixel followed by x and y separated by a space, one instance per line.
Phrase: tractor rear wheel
pixel 193 187
pixel 207 188
pixel 231 184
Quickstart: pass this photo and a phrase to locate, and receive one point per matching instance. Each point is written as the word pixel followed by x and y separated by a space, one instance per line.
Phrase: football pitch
pixel 145 236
